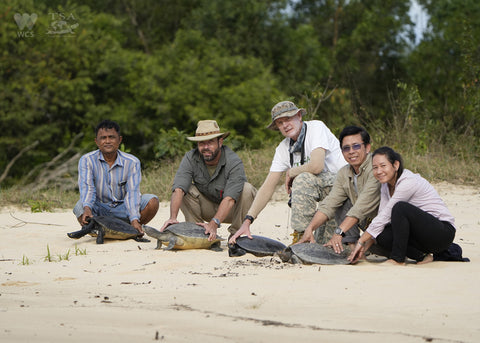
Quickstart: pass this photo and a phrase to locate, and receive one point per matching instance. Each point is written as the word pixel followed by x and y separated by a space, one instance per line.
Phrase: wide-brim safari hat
pixel 206 130
pixel 284 109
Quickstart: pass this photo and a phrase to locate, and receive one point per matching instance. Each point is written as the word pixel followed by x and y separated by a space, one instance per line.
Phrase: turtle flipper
pixel 77 234
pixel 101 234
pixel 171 243
pixel 234 250
pixel 141 239
pixel 86 229
pixel 216 246
pixel 159 244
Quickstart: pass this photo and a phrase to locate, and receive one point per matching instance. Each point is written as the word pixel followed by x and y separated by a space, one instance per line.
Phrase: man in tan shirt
pixel 355 195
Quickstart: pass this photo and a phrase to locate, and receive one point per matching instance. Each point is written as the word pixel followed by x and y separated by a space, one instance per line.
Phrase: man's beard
pixel 212 157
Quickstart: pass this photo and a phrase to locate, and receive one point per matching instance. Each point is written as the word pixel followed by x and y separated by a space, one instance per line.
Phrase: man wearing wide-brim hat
pixel 310 157
pixel 210 186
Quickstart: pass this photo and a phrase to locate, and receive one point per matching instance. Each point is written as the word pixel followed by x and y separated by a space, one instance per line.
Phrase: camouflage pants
pixel 307 190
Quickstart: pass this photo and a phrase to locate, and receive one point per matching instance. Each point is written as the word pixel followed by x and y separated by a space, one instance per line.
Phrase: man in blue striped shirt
pixel 109 182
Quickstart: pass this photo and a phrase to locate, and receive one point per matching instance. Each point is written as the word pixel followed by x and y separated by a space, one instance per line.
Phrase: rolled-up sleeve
pixel 184 175
pixel 236 179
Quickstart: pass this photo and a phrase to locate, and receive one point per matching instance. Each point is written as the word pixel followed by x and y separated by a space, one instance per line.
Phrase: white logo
pixel 25 19
pixel 62 24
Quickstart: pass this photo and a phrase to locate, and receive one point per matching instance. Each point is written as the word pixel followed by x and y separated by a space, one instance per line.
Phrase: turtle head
pixel 285 255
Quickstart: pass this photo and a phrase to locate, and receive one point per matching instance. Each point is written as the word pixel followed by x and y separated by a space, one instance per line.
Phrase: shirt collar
pixel 118 160
pixel 363 166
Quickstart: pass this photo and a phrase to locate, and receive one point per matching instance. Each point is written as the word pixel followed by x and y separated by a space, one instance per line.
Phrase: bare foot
pixel 426 259
pixel 392 262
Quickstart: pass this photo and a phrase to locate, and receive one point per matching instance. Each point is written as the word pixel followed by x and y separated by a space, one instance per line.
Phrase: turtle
pixel 313 253
pixel 183 236
pixel 258 246
pixel 107 227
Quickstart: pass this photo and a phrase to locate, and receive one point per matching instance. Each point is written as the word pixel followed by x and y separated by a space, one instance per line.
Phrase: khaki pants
pixel 197 208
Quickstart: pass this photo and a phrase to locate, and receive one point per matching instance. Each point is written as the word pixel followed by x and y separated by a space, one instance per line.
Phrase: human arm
pixel 132 193
pixel 86 186
pixel 318 219
pixel 175 203
pixel 314 166
pixel 261 199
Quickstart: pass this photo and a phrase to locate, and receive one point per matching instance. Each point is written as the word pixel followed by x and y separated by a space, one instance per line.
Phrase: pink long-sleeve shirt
pixel 415 190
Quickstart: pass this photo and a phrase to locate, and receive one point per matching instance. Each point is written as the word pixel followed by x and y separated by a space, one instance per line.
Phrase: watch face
pixel 338 231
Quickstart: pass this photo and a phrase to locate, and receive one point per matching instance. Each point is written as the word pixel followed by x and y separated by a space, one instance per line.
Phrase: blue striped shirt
pixel 98 182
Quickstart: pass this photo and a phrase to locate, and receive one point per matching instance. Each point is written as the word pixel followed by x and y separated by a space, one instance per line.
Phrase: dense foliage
pixel 157 67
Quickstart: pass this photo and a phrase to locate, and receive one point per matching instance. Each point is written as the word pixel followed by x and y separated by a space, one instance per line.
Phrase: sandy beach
pixel 125 291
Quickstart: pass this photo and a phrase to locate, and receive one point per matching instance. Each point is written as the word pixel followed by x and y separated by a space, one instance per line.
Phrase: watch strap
pixel 216 221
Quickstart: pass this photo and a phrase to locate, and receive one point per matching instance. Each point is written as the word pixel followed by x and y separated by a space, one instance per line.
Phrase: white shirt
pixel 318 136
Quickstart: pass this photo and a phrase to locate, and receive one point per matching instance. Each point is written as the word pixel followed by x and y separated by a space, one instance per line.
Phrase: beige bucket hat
pixel 206 130
pixel 284 109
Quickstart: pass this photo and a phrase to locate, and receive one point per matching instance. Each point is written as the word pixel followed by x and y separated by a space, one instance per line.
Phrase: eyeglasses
pixel 355 146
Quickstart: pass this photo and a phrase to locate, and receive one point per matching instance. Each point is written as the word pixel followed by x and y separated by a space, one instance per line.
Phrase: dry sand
pixel 125 291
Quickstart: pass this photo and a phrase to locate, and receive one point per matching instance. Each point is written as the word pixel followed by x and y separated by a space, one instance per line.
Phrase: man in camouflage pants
pixel 310 156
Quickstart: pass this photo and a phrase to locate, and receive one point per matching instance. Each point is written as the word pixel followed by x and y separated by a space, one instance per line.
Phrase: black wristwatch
pixel 216 221
pixel 339 231
pixel 249 218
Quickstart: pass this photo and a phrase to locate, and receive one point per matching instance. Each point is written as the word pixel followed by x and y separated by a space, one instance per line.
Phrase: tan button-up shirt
pixel 365 198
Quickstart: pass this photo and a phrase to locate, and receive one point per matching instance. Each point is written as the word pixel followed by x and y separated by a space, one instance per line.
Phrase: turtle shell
pixel 183 236
pixel 313 253
pixel 115 228
pixel 258 245
pixel 107 227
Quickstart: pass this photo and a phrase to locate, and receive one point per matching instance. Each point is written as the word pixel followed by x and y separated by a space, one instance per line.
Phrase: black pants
pixel 413 233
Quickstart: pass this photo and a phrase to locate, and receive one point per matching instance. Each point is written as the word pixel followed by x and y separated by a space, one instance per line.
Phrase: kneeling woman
pixel 412 219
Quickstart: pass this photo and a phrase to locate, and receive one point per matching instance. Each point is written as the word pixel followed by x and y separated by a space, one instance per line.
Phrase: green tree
pixel 446 64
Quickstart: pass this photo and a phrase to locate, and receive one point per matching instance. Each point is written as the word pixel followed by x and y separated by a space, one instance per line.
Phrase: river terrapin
pixel 313 253
pixel 258 246
pixel 107 227
pixel 183 236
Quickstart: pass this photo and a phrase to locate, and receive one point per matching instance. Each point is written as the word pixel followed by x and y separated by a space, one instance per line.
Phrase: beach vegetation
pixel 79 251
pixel 25 261
pixel 64 257
pixel 48 257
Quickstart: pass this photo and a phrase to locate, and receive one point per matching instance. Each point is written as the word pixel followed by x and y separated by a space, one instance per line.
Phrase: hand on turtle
pixel 170 221
pixel 243 230
pixel 357 254
pixel 335 243
pixel 210 229
pixel 87 213
pixel 136 224
pixel 307 237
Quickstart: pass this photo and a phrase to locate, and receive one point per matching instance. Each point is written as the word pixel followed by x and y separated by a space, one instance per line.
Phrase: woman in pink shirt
pixel 412 220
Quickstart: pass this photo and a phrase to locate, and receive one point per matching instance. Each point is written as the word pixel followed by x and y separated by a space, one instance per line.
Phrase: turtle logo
pixel 62 24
